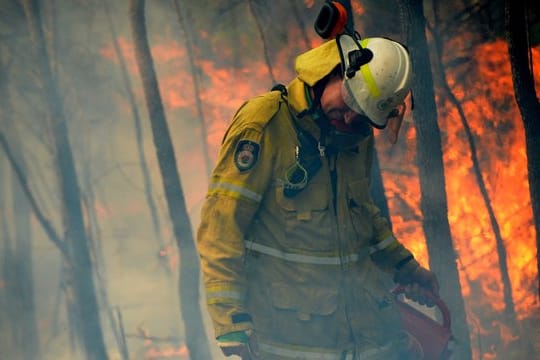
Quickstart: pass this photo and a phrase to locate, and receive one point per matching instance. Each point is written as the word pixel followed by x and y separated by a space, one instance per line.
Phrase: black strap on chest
pixel 308 156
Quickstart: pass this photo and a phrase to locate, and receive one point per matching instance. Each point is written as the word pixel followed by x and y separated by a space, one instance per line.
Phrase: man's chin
pixel 355 127
pixel 341 126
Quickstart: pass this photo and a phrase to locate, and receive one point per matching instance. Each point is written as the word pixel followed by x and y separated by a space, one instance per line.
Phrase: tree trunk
pixel 95 241
pixel 28 340
pixel 8 326
pixel 138 130
pixel 263 41
pixel 524 89
pixel 433 202
pixel 182 18
pixel 81 265
pixel 510 312
pixel 301 23
pixel 189 281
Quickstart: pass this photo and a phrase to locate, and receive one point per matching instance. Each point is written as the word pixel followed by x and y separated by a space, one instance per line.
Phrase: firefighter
pixel 294 253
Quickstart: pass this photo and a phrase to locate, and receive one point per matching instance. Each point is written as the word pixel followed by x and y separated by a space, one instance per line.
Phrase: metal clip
pixel 321 148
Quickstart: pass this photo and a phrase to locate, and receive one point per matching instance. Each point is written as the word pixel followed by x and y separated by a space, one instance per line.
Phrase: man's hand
pixel 240 343
pixel 421 285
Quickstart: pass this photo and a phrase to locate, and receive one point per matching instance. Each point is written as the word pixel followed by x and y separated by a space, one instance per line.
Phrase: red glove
pixel 421 285
pixel 240 343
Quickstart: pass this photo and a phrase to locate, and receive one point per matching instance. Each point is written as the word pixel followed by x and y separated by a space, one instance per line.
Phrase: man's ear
pixel 394 123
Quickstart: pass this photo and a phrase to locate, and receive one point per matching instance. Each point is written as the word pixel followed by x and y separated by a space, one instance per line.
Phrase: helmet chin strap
pixel 377 126
pixel 315 111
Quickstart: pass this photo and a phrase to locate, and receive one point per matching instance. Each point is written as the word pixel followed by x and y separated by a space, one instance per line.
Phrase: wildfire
pixel 499 133
pixel 486 95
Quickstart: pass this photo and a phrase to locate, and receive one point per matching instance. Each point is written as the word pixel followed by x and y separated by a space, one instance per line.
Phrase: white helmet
pixel 375 82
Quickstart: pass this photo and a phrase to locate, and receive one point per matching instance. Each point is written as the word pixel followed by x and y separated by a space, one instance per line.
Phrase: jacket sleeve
pixel 236 188
pixel 386 251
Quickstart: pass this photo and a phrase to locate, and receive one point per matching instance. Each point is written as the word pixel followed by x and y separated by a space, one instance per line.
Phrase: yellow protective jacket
pixel 307 269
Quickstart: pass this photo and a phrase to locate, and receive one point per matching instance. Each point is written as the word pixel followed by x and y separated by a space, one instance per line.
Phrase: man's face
pixel 338 113
pixel 346 120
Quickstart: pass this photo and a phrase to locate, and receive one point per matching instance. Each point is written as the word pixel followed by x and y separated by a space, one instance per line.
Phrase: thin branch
pixel 182 18
pixel 123 348
pixel 263 41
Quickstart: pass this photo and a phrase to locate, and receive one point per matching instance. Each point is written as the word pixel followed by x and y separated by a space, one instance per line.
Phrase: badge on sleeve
pixel 246 154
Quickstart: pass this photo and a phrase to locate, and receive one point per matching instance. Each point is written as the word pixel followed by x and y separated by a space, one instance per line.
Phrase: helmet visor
pixel 352 97
pixel 349 98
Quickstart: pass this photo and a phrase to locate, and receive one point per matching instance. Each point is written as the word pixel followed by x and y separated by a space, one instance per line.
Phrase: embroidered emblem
pixel 246 154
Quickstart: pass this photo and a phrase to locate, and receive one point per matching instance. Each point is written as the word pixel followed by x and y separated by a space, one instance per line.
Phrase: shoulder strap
pixel 308 153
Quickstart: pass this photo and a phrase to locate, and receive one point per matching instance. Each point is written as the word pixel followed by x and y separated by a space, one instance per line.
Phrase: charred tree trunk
pixel 21 177
pixel 301 23
pixel 28 340
pixel 81 265
pixel 182 18
pixel 524 88
pixel 433 202
pixel 96 251
pixel 189 282
pixel 510 311
pixel 263 41
pixel 9 324
pixel 138 129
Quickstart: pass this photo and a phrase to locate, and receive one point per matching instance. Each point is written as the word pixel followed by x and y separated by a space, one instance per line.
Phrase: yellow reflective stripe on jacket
pixel 297 352
pixel 368 76
pixel 223 294
pixel 382 245
pixel 300 258
pixel 233 190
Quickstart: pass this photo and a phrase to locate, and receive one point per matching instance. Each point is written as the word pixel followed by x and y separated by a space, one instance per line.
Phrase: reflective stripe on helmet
pixel 368 76
pixel 233 190
pixel 381 84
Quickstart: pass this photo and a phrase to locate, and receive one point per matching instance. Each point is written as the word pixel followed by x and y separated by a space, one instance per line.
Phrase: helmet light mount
pixel 357 58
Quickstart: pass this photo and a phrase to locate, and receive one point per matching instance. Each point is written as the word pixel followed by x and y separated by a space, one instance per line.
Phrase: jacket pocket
pixel 382 318
pixel 358 203
pixel 305 315
pixel 306 219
